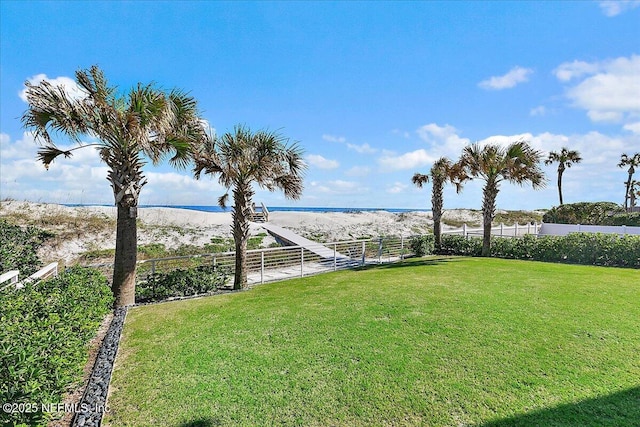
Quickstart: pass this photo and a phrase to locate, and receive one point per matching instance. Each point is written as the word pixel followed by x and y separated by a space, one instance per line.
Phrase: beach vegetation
pixel 585 213
pixel 518 163
pixel 437 341
pixel 46 328
pixel 442 171
pixel 241 159
pixel 422 245
pixel 565 158
pixel 144 124
pixel 181 282
pixel 19 247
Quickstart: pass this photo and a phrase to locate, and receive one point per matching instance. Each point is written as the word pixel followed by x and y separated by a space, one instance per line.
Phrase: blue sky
pixel 373 91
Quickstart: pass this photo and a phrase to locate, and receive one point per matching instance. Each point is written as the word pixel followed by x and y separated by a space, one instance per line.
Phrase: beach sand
pixel 81 229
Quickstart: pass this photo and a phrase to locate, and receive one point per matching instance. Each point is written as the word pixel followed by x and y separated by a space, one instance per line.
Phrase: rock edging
pixel 93 404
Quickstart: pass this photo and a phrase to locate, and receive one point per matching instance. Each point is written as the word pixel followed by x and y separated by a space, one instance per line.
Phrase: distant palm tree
pixel 634 193
pixel 632 162
pixel 243 158
pixel 518 163
pixel 565 158
pixel 145 123
pixel 441 172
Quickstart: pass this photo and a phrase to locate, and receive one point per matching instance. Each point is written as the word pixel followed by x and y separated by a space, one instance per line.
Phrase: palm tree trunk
pixel 241 214
pixel 436 207
pixel 560 184
pixel 626 194
pixel 489 194
pixel 124 266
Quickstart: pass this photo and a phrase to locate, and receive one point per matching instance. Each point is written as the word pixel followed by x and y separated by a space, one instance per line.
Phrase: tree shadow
pixel 615 410
pixel 410 262
pixel 202 422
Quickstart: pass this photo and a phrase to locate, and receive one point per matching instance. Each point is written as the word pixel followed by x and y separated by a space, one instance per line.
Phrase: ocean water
pixel 291 209
pixel 277 208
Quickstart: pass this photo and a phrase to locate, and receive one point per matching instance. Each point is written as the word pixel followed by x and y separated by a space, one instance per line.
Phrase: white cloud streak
pixel 613 8
pixel 71 87
pixel 514 77
pixel 321 163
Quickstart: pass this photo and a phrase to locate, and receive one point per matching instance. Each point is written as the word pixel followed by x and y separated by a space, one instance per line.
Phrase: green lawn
pixel 436 342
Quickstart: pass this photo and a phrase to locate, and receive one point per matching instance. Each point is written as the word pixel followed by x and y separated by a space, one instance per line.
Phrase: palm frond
pixel 419 179
pixel 49 153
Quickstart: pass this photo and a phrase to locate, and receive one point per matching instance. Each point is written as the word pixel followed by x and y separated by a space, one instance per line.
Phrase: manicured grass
pixel 438 342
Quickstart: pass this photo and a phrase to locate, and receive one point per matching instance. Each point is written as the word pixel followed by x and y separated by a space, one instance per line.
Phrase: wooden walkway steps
pixel 294 239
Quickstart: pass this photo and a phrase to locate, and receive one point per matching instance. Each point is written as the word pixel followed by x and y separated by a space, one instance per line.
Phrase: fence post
pixel 262 267
pixel 624 230
pixel 464 230
pixel 153 266
pixel 401 248
pixel 515 233
pixel 215 266
pixel 363 249
pixel 380 250
pixel 335 257
pixel 501 229
pixel 301 261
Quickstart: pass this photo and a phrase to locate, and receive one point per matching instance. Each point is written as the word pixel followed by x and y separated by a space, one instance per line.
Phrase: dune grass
pixel 438 342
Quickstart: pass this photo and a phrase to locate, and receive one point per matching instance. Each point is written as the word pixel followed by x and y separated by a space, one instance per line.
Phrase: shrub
pixel 422 245
pixel 582 213
pixel 460 245
pixel 578 248
pixel 630 219
pixel 180 283
pixel 46 327
pixel 19 246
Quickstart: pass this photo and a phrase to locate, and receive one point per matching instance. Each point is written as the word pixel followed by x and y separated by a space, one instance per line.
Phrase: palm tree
pixel 565 158
pixel 441 172
pixel 517 163
pixel 144 123
pixel 632 162
pixel 243 158
pixel 634 192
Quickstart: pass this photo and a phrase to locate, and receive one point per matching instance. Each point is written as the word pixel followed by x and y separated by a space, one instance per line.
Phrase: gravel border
pixel 93 404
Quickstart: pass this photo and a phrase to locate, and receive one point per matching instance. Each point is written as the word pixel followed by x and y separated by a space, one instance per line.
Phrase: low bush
pixel 630 219
pixel 180 283
pixel 422 245
pixel 577 248
pixel 46 327
pixel 584 213
pixel 19 247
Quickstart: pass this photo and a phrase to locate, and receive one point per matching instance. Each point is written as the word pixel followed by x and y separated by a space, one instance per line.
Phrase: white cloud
pixel 444 140
pixel 333 138
pixel 538 111
pixel 358 171
pixel 362 149
pixel 397 187
pixel 71 87
pixel 633 127
pixel 615 7
pixel 321 163
pixel 570 70
pixel 609 91
pixel 412 160
pixel 515 76
pixel 337 187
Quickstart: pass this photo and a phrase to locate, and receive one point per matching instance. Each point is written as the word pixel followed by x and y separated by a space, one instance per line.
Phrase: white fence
pixel 501 230
pixel 564 229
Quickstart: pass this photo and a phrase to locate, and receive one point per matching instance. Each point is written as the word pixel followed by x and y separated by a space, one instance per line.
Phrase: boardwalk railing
pixel 272 264
pixel 46 272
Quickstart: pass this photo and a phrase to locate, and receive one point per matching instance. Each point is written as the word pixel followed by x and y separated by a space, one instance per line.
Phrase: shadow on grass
pixel 619 409
pixel 411 262
pixel 202 422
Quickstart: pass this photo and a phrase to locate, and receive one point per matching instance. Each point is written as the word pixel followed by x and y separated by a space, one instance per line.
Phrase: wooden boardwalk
pixel 294 239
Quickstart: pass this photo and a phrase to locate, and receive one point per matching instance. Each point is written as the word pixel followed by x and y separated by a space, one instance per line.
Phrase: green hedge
pixel 584 213
pixel 46 327
pixel 422 245
pixel 19 246
pixel 630 219
pixel 577 248
pixel 180 283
